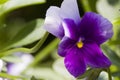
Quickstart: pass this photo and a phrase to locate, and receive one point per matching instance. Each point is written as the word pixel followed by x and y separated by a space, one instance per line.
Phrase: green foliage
pixel 33 78
pixel 3 1
pixel 11 59
pixel 19 34
pixel 41 73
pixel 11 5
pixel 109 8
pixel 112 55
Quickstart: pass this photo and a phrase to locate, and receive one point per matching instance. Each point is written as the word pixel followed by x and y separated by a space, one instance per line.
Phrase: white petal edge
pixel 53 21
pixel 69 9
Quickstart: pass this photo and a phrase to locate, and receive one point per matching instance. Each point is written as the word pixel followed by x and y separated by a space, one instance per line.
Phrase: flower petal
pixel 74 62
pixel 64 46
pixel 69 9
pixel 70 29
pixel 94 27
pixel 1 65
pixel 53 22
pixel 17 68
pixel 94 56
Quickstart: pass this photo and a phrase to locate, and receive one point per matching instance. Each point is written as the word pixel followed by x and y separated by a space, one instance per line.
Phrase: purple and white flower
pixel 80 37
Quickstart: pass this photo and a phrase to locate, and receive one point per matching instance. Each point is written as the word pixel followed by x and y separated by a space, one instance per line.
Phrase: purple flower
pixel 80 38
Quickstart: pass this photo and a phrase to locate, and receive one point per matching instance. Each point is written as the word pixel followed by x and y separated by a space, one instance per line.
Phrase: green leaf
pixel 109 8
pixel 93 5
pixel 112 55
pixel 45 73
pixel 87 73
pixel 16 4
pixel 33 78
pixel 94 74
pixel 22 34
pixel 3 1
pixel 12 5
pixel 114 42
pixel 116 22
pixel 11 77
pixel 116 74
pixel 89 5
pixel 12 59
pixel 116 36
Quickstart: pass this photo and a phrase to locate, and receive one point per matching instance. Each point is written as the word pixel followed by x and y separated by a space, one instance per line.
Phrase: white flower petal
pixel 69 9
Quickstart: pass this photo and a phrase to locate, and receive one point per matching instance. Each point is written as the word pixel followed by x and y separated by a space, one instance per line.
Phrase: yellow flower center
pixel 80 44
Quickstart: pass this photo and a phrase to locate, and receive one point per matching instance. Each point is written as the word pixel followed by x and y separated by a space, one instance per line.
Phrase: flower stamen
pixel 80 44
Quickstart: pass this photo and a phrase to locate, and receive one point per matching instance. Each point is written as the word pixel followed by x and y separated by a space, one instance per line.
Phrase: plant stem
pixel 39 44
pixel 26 50
pixel 4 75
pixel 8 52
pixel 42 54
pixel 109 74
pixel 94 74
pixel 116 22
pixel 86 5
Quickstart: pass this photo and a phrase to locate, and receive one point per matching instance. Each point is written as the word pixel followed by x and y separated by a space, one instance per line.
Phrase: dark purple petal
pixel 94 56
pixel 53 22
pixel 94 27
pixel 69 9
pixel 70 29
pixel 65 45
pixel 74 62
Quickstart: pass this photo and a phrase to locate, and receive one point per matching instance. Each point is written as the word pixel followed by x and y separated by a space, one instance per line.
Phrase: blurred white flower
pixel 1 65
pixel 17 68
pixel 103 76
